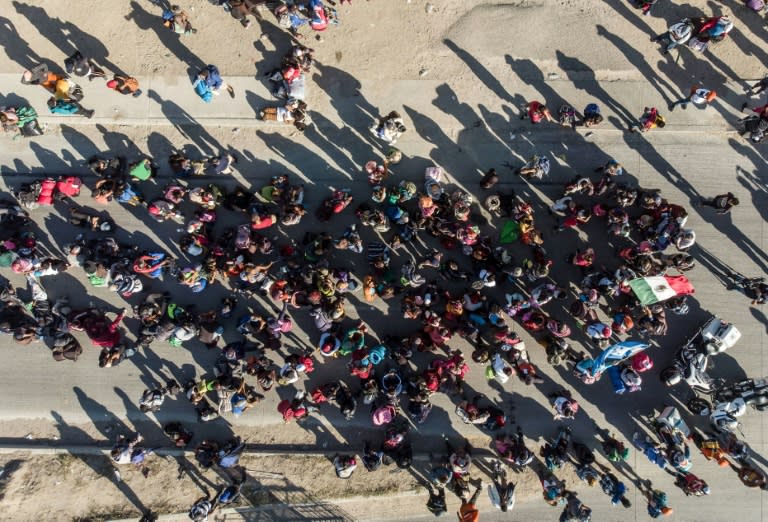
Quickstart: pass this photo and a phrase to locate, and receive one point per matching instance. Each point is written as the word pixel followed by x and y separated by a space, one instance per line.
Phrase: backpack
pixel 566 115
pixel 433 173
pixel 154 209
pixel 27 195
pixel 377 354
pixel 200 510
pixel 7 258
pixel 243 237
pixel 419 411
pixel 130 84
pixel 69 185
pixel 66 347
pixel 283 17
pixel 383 415
pixel 214 77
pixel 47 189
pixel 202 90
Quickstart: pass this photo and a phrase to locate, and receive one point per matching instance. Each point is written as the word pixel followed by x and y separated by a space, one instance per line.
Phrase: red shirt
pixel 533 112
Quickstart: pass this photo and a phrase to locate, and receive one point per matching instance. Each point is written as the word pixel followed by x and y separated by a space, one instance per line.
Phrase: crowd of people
pixel 471 290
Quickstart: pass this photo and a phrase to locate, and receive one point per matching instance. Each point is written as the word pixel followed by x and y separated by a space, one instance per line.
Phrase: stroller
pixel 501 492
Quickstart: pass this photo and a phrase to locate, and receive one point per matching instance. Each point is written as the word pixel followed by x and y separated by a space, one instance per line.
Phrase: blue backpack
pixel 202 90
pixel 214 80
pixel 592 108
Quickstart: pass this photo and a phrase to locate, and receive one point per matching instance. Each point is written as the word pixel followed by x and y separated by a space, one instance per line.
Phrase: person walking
pixel 468 511
pixel 209 83
pixel 698 96
pixel 83 66
pixel 68 107
pixel 757 88
pixel 125 85
pixel 723 202
pixel 762 111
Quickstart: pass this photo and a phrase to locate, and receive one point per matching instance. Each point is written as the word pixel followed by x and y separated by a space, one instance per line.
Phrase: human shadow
pixel 50 162
pixel 303 159
pixel 79 142
pixel 757 176
pixel 584 78
pixel 13 100
pixel 344 91
pixel 161 147
pixel 719 269
pixel 18 49
pixel 98 414
pixel 258 103
pixel 145 20
pixel 475 143
pixel 483 74
pixel 757 190
pixel 759 316
pixel 119 144
pixel 638 60
pixel 342 145
pixel 186 124
pixel 66 36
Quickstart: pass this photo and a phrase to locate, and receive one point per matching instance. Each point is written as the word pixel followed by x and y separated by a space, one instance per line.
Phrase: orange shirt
pixel 468 513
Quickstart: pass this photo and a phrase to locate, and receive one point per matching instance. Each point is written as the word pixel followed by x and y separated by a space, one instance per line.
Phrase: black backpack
pixel 66 347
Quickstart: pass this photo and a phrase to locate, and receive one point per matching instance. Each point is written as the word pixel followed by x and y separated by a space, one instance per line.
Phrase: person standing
pixel 723 202
pixel 698 96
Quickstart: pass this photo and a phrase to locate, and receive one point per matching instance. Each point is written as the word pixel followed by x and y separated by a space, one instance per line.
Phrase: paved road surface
pixel 465 127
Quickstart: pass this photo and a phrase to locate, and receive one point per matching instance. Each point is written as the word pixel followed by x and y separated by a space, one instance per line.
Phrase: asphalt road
pixel 696 155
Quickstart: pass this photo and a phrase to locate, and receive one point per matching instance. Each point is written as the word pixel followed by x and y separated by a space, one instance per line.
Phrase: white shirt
pixel 498 369
pixel 699 96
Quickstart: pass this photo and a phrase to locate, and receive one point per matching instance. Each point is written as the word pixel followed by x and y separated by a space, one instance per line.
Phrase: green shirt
pixel 141 171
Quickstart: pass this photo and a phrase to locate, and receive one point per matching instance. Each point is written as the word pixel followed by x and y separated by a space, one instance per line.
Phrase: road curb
pixel 298 450
pixel 273 506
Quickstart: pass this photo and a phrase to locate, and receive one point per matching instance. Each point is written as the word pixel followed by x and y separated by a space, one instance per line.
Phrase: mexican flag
pixel 650 290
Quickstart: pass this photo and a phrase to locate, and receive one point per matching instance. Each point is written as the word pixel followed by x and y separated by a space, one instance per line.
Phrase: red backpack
pixel 47 187
pixel 69 186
